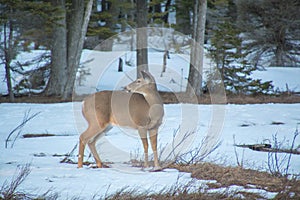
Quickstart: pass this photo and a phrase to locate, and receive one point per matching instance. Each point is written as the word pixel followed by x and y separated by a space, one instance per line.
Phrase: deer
pixel 138 106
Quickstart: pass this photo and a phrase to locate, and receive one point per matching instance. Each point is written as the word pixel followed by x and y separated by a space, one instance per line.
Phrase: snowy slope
pixel 104 75
pixel 103 68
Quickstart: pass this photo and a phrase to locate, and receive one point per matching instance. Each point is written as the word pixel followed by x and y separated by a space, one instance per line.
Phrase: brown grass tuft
pixel 248 178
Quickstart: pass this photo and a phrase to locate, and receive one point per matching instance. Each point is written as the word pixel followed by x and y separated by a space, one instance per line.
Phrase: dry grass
pixel 9 190
pixel 170 195
pixel 225 177
pixel 248 178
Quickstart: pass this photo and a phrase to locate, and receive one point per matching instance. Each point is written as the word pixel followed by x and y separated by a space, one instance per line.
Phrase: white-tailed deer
pixel 139 107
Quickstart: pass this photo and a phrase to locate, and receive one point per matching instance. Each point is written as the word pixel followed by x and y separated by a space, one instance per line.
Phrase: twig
pixel 26 119
pixel 191 157
pixel 292 147
pixel 9 190
pixel 66 158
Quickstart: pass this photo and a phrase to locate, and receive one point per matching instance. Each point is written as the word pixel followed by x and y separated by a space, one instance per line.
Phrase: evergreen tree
pixel 109 17
pixel 271 31
pixel 159 11
pixel 184 10
pixel 230 59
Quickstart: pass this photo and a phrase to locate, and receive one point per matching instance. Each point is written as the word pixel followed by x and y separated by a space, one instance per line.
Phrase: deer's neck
pixel 152 97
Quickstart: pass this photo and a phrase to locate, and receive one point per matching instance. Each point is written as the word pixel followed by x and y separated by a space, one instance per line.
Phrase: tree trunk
pixel 141 37
pixel 167 10
pixel 67 47
pixel 194 86
pixel 166 55
pixel 279 55
pixel 8 57
pixel 74 24
pixel 57 79
pixel 9 83
pixel 77 27
pixel 120 67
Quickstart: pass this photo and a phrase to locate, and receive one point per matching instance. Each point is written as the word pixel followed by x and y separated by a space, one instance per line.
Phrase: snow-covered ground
pixel 117 147
pixel 104 68
pixel 104 75
pixel 248 124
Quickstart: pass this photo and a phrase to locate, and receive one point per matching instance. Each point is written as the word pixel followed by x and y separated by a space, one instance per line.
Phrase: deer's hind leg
pixel 90 137
pixel 92 146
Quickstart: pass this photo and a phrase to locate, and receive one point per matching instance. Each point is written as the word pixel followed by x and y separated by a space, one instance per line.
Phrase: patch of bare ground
pixel 248 178
pixel 171 97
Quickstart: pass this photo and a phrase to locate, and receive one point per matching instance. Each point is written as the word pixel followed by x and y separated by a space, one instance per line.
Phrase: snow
pixel 104 75
pixel 62 120
pixel 104 65
pixel 103 68
pixel 282 77
pixel 247 124
pixel 233 189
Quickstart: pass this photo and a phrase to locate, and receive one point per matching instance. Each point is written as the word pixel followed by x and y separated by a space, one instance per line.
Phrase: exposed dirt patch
pixel 233 99
pixel 170 97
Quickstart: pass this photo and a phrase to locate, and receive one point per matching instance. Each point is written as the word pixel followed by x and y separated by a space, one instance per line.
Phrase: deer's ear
pixel 147 76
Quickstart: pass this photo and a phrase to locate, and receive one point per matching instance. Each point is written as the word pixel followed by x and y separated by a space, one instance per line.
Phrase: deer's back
pixel 117 108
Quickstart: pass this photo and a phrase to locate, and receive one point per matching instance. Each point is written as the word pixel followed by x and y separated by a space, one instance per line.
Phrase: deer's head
pixel 142 85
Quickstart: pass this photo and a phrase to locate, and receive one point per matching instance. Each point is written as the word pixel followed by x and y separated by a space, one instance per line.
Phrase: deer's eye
pixel 138 80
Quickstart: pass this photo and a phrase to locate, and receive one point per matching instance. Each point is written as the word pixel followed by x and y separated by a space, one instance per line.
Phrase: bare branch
pixel 27 117
pixel 192 156
pixel 279 164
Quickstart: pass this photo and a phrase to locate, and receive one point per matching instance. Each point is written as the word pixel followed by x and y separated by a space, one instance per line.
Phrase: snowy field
pixel 117 147
pixel 248 124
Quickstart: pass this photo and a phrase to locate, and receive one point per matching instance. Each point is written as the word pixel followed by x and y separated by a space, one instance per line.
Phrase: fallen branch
pixel 267 148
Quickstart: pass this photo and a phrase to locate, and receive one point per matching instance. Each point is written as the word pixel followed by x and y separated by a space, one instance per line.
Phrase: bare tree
pixel 9 39
pixel 141 37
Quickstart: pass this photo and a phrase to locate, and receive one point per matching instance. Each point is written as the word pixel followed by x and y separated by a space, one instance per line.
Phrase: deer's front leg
pixel 153 140
pixel 143 135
